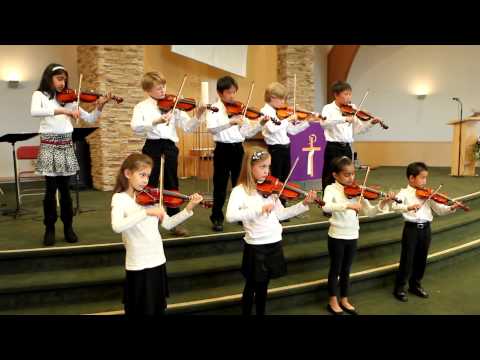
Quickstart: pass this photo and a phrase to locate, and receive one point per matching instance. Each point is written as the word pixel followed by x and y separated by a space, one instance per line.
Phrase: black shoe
pixel 333 312
pixel 419 291
pixel 328 215
pixel 284 221
pixel 70 235
pixel 49 237
pixel 401 295
pixel 349 311
pixel 217 225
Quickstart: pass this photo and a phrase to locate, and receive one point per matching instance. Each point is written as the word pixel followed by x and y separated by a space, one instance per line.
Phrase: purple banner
pixel 309 146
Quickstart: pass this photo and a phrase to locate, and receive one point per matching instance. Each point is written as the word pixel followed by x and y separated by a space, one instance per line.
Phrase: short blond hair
pixel 152 78
pixel 252 155
pixel 275 89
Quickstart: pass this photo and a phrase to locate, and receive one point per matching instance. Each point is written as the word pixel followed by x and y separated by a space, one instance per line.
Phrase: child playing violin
pixel 339 129
pixel 343 232
pixel 263 257
pixel 161 133
pixel 146 286
pixel 416 236
pixel 276 134
pixel 229 135
pixel 56 159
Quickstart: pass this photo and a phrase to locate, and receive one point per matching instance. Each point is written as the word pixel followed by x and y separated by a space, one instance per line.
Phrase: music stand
pixel 12 138
pixel 79 134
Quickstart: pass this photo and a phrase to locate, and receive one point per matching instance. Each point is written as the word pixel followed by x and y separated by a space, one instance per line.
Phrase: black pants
pixel 341 254
pixel 333 150
pixel 155 149
pixel 227 162
pixel 254 290
pixel 280 166
pixel 61 183
pixel 413 258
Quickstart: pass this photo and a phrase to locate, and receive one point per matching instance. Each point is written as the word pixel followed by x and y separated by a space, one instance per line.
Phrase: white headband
pixel 58 68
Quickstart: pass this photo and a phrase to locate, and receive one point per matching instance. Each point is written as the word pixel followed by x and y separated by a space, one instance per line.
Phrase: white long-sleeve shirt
pixel 218 124
pixel 140 235
pixel 146 111
pixel 337 129
pixel 259 229
pixel 422 215
pixel 278 134
pixel 344 223
pixel 44 107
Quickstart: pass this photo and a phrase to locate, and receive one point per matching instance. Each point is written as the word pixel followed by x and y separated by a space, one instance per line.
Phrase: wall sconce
pixel 421 91
pixel 13 80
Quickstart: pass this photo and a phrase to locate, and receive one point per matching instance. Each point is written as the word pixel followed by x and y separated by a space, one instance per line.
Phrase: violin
pixel 171 198
pixel 70 95
pixel 369 193
pixel 348 110
pixel 426 193
pixel 291 191
pixel 185 104
pixel 286 111
pixel 237 108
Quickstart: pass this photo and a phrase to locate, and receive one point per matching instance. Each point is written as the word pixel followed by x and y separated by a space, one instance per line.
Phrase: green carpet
pixel 94 227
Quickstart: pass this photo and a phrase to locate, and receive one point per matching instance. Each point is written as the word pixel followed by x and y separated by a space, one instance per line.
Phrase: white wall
pixel 29 62
pixel 394 74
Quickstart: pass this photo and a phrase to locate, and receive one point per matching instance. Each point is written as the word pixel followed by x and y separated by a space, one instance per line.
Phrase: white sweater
pixel 259 229
pixel 44 107
pixel 140 234
pixel 344 223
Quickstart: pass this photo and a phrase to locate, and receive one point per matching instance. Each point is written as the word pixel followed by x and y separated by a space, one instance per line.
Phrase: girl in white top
pixel 344 231
pixel 263 257
pixel 56 159
pixel 146 285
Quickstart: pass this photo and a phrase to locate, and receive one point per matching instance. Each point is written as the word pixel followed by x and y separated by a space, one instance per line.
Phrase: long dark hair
pixel 337 165
pixel 133 162
pixel 46 83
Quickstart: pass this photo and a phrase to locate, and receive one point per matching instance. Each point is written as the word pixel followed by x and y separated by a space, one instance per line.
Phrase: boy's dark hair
pixel 46 83
pixel 225 83
pixel 416 168
pixel 340 86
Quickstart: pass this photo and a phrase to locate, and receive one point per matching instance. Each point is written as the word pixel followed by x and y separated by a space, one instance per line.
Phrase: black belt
pixel 425 225
pixel 219 143
pixel 279 146
pixel 343 144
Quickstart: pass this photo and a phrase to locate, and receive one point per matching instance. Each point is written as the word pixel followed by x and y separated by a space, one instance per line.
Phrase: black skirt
pixel 261 263
pixel 146 291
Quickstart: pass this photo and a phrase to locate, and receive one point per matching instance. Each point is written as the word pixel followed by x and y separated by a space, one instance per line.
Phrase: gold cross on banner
pixel 311 152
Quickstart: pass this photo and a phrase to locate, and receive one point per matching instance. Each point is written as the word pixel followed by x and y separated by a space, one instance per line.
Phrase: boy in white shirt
pixel 161 134
pixel 339 129
pixel 275 133
pixel 229 135
pixel 416 236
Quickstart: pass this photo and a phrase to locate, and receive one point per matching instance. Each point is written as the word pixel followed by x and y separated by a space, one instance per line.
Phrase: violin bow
pixel 248 100
pixel 177 98
pixel 78 95
pixel 433 193
pixel 160 188
pixel 363 187
pixel 363 100
pixel 288 177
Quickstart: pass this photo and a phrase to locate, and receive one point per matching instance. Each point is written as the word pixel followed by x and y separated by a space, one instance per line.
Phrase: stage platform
pixel 94 227
pixel 203 269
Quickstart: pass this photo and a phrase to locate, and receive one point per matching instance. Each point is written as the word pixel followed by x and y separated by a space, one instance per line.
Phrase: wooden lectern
pixel 466 139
